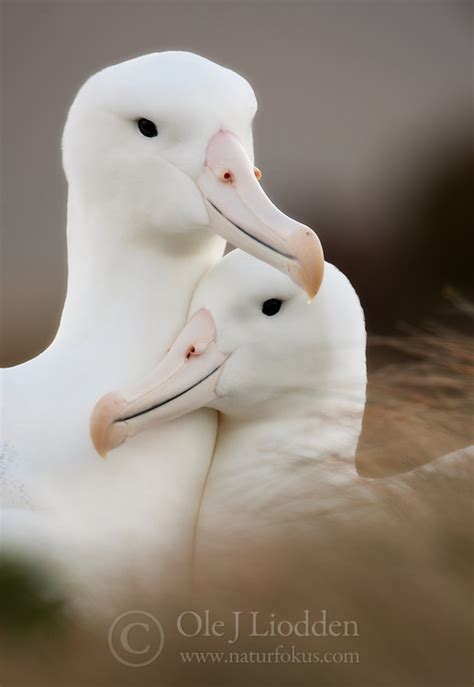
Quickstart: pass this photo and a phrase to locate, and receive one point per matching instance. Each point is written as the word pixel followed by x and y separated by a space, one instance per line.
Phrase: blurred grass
pixel 420 402
pixel 30 600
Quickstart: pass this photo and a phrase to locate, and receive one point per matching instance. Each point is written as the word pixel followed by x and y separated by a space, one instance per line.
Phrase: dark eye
pixel 147 127
pixel 271 307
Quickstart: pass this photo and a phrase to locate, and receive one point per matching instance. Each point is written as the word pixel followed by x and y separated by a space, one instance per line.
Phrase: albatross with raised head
pixel 158 156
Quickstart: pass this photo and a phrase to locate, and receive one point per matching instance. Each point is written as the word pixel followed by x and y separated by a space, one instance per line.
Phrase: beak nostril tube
pixel 227 176
pixel 258 173
pixel 196 349
pixel 191 351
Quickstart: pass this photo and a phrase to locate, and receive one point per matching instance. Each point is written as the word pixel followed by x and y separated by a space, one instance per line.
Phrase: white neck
pixel 274 472
pixel 128 294
pixel 305 448
pixel 323 430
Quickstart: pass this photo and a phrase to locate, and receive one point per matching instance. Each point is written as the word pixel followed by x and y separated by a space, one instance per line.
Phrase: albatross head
pixel 251 347
pixel 165 142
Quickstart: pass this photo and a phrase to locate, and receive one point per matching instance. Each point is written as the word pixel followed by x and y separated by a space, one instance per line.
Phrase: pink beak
pixel 242 213
pixel 183 381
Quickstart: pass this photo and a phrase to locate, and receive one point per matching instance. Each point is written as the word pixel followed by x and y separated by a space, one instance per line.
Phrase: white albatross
pixel 287 378
pixel 290 390
pixel 158 156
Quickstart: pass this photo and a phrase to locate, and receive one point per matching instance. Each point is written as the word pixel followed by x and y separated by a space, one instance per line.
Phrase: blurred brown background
pixel 362 132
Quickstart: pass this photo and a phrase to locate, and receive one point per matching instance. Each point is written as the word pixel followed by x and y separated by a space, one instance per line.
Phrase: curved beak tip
pixel 99 443
pixel 309 269
pixel 103 433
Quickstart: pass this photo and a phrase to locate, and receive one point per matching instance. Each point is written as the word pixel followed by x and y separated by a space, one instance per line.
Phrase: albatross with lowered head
pixel 289 381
